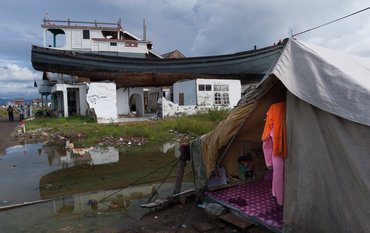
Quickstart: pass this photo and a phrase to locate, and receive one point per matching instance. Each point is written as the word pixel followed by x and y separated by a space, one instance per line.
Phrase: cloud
pixel 351 36
pixel 12 89
pixel 170 23
pixel 14 72
pixel 239 25
pixel 17 81
pixel 209 27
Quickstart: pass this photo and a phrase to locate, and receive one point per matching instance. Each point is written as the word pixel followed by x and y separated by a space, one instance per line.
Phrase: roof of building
pixel 173 54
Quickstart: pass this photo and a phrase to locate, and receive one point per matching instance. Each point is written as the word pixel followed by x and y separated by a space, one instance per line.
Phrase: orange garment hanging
pixel 275 119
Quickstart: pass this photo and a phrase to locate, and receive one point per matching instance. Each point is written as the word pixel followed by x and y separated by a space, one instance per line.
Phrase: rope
pixel 137 180
pixel 322 25
pixel 165 178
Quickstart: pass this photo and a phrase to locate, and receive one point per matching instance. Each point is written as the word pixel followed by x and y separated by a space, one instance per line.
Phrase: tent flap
pixel 327 185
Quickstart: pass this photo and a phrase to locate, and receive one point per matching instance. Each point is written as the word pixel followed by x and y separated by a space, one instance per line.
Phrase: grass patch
pixel 3 112
pixel 84 131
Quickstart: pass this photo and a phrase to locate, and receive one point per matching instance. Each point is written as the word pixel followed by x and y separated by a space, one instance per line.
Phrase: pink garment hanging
pixel 278 179
pixel 277 163
pixel 267 151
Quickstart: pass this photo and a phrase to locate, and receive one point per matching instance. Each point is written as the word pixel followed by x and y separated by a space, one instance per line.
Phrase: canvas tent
pixel 327 169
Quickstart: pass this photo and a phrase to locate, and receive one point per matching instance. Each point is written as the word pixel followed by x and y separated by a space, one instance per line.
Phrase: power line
pixel 365 9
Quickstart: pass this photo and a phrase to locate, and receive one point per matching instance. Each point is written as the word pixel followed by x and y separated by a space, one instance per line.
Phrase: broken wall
pixel 169 109
pixel 101 97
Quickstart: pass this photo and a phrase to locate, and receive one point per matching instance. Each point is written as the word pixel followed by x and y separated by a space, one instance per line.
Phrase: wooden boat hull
pixel 247 66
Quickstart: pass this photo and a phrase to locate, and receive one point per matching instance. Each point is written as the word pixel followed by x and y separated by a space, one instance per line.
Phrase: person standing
pixel 10 113
pixel 21 113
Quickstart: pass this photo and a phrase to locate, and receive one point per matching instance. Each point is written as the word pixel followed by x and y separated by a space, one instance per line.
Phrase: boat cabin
pixel 95 37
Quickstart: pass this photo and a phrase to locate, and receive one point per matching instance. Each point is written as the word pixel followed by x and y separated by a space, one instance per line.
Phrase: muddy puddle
pixel 96 190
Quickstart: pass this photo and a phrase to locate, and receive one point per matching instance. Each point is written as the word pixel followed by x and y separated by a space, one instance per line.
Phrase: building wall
pixel 102 97
pixel 123 97
pixel 188 89
pixel 206 97
pixel 122 101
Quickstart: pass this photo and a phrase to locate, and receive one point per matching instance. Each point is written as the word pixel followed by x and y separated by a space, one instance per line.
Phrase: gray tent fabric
pixel 333 81
pixel 327 172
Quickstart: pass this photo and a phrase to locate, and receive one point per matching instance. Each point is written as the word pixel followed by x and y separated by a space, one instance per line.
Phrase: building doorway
pixel 136 104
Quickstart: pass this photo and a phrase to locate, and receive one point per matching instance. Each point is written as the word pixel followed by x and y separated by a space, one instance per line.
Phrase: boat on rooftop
pixel 105 51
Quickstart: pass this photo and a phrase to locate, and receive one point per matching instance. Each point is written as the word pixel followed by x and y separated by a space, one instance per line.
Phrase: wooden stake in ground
pixel 185 156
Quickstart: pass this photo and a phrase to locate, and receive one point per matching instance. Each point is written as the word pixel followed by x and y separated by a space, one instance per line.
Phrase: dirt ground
pixel 7 133
pixel 185 217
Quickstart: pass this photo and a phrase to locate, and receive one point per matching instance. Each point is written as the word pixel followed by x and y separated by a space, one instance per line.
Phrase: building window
pixel 221 87
pixel 130 44
pixel 204 87
pixel 218 98
pixel 221 94
pixel 86 34
pixel 225 99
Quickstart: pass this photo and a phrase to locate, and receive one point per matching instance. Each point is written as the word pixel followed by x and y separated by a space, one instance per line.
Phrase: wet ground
pixel 72 182
pixel 7 131
pixel 76 182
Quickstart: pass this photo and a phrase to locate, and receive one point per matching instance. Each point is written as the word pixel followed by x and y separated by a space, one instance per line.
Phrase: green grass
pixel 85 132
pixel 3 112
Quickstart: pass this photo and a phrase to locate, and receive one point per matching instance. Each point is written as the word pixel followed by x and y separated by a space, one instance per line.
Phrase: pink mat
pixel 260 202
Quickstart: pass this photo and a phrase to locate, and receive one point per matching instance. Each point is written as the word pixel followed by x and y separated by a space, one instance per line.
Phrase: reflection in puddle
pixel 78 213
pixel 90 202
pixel 74 180
pixel 76 157
pixel 170 146
pixel 90 156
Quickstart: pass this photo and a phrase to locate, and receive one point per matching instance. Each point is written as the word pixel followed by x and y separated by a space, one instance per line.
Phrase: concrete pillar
pixel 65 103
pixel 45 102
pixel 42 102
pixel 31 110
pixel 45 38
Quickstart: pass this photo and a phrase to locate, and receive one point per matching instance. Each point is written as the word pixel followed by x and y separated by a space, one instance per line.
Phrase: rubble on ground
pixel 47 135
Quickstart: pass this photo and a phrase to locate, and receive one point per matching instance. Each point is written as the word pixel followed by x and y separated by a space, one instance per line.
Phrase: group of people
pixel 10 110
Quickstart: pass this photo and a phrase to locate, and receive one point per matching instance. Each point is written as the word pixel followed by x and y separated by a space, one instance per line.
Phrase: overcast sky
pixel 195 27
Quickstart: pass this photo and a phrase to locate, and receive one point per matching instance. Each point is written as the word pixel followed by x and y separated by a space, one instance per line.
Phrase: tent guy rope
pixel 333 21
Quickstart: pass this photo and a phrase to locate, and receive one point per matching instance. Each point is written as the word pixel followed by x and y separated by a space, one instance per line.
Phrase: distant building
pixel 18 102
pixel 36 102
pixel 207 92
pixel 173 54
